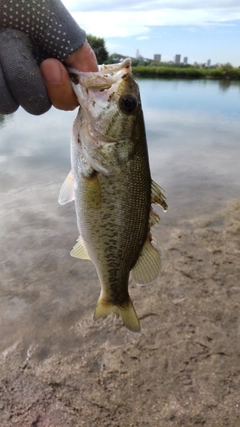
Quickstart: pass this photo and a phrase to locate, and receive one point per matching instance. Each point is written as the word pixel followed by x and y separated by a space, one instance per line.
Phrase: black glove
pixel 30 32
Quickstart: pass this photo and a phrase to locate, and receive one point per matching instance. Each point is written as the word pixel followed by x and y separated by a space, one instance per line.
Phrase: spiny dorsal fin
pixel 154 218
pixel 126 312
pixel 157 195
pixel 148 265
pixel 67 190
pixel 80 250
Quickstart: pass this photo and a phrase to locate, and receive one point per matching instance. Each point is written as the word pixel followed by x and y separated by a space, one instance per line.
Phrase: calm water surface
pixel 193 131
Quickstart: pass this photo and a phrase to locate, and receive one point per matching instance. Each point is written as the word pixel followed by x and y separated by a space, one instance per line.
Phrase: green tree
pixel 226 66
pixel 227 70
pixel 98 45
pixel 114 58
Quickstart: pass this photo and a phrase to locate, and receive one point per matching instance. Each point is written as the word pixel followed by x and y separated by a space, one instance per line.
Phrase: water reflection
pixel 193 133
pixel 224 85
pixel 2 119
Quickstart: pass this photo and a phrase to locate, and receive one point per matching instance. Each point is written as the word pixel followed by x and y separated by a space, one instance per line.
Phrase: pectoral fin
pixel 80 250
pixel 67 190
pixel 157 196
pixel 148 265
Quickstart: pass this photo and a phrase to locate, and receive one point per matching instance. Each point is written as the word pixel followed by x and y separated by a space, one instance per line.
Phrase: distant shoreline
pixel 188 72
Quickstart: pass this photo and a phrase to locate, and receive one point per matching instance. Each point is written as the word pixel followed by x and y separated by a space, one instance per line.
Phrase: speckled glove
pixel 30 31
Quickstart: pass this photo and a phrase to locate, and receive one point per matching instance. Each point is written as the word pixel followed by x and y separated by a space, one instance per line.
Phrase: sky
pixel 197 29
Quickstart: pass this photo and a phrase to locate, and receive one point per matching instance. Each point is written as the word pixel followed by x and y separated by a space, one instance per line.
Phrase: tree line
pixel 150 68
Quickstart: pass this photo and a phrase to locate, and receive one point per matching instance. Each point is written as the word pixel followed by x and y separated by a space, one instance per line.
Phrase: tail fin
pixel 127 313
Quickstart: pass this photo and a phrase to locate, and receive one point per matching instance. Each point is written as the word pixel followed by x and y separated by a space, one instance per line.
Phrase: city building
pixel 177 59
pixel 157 57
pixel 185 60
pixel 209 63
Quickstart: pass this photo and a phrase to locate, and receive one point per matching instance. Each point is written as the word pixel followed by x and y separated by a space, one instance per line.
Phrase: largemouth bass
pixel 111 184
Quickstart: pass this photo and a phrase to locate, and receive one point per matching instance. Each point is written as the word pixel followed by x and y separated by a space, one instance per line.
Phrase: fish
pixel 110 182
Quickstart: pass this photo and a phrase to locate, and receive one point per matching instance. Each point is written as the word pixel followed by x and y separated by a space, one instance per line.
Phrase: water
pixel 193 130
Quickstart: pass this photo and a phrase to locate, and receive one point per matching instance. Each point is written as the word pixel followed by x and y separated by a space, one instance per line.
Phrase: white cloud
pixel 115 46
pixel 111 24
pixel 125 5
pixel 125 25
pixel 143 38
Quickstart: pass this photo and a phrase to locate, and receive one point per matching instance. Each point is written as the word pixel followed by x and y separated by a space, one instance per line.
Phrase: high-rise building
pixel 185 60
pixel 157 57
pixel 137 54
pixel 209 63
pixel 177 59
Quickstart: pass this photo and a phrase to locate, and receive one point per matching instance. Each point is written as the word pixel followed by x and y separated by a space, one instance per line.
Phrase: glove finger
pixel 22 73
pixel 47 22
pixel 7 103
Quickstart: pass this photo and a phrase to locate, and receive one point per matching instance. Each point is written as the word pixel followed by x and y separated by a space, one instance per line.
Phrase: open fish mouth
pixel 102 94
pixel 101 86
pixel 102 79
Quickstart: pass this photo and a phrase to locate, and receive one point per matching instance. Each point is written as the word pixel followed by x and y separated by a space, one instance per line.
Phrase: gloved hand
pixel 30 32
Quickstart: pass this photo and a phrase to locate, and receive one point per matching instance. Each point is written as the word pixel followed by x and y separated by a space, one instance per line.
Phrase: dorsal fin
pixel 157 196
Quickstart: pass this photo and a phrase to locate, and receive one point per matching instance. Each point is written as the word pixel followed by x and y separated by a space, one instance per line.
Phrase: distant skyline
pixel 198 29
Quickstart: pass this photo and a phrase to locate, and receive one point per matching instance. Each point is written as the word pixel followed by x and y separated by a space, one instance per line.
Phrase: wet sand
pixel 60 368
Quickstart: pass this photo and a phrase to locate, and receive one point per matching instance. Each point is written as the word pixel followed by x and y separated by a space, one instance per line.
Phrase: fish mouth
pixel 102 79
pixel 101 86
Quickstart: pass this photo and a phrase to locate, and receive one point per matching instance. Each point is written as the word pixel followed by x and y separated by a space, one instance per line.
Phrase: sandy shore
pixel 182 370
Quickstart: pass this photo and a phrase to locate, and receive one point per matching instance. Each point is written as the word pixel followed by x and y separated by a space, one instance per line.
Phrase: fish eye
pixel 128 104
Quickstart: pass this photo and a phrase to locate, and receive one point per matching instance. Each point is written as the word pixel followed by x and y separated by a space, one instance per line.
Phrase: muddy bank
pixel 182 370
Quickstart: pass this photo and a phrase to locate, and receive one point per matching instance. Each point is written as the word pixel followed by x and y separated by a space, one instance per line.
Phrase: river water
pixel 193 130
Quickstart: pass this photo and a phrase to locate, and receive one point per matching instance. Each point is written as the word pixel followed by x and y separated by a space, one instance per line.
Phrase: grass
pixel 188 72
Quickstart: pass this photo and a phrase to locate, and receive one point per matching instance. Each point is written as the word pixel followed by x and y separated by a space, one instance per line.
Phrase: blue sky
pixel 198 29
